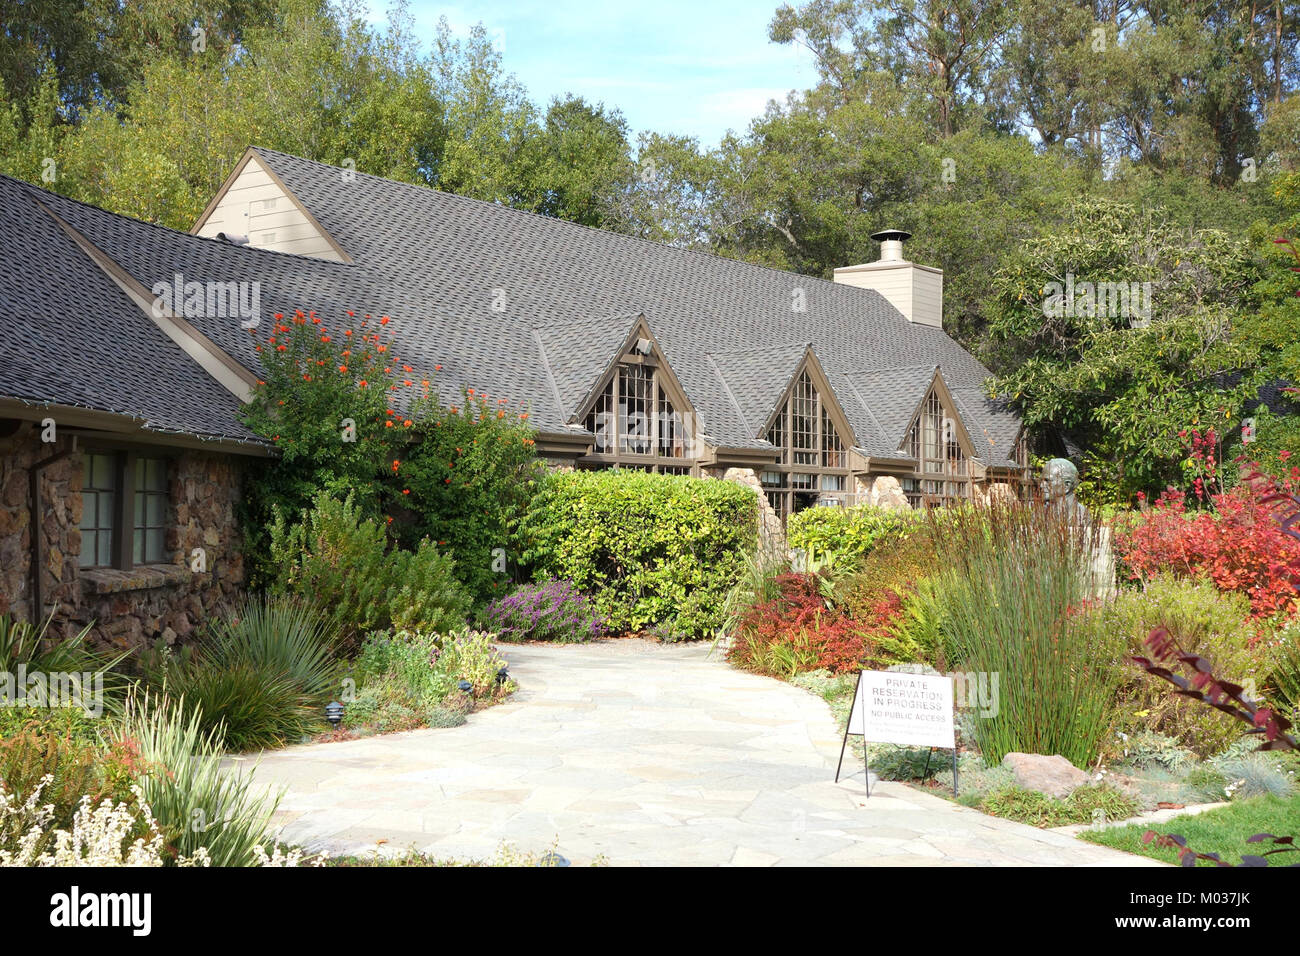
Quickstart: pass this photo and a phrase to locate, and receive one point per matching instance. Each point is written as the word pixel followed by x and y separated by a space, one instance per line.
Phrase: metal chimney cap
pixel 886 235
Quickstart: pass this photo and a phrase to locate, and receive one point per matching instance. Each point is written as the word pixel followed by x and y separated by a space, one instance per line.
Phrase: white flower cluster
pixel 294 857
pixel 100 836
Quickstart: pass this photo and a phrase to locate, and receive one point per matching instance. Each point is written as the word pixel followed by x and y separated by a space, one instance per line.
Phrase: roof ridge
pixel 575 225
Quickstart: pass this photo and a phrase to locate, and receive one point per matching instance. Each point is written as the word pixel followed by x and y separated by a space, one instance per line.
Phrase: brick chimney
pixel 914 290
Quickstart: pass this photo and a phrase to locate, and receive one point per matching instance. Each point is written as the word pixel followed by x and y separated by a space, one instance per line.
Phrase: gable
pixel 254 202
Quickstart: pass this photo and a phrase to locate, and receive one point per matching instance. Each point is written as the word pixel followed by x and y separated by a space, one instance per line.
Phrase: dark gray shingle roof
pixel 452 254
pixel 439 263
pixel 72 337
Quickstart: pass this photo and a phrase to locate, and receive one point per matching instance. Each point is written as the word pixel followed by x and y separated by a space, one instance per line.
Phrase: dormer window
pixel 638 419
pixel 943 471
pixel 812 466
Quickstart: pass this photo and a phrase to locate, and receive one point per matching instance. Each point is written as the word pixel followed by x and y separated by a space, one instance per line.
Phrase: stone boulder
pixel 1001 491
pixel 887 493
pixel 1054 776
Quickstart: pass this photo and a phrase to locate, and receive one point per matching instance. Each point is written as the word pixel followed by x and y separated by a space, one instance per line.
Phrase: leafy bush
pixel 341 561
pixel 196 803
pixel 655 551
pixel 1147 749
pixel 65 770
pixel 470 471
pixel 796 631
pixel 257 680
pixel 1283 685
pixel 1017 573
pixel 424 593
pixel 408 680
pixel 878 598
pixel 1240 547
pixel 845 536
pixel 1203 621
pixel 350 418
pixel 916 632
pixel 322 400
pixel 554 611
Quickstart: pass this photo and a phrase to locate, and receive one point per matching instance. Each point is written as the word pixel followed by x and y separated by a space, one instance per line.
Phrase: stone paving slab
pixel 643 754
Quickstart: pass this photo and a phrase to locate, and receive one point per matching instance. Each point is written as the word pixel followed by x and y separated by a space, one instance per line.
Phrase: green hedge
pixel 846 535
pixel 657 552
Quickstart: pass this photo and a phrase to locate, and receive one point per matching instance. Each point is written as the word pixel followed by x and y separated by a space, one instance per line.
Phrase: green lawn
pixel 1223 831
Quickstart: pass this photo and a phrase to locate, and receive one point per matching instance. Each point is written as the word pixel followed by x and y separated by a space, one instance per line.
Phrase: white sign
pixel 914 710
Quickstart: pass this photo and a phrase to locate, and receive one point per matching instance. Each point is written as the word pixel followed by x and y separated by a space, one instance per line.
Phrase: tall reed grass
pixel 1018 577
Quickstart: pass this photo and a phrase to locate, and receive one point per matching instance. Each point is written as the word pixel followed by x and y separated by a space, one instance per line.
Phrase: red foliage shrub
pixel 1240 546
pixel 797 630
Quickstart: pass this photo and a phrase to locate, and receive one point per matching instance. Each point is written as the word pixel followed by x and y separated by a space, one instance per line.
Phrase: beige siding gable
pixel 257 206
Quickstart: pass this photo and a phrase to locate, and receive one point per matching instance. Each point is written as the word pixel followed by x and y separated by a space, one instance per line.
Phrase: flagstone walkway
pixel 643 754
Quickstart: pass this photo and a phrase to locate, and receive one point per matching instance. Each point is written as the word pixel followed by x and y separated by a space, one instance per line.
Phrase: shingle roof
pixel 451 253
pixel 513 304
pixel 880 404
pixel 72 337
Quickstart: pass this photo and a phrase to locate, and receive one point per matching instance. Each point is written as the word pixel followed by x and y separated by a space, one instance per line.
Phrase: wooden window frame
pixel 664 397
pixel 123 547
pixel 780 431
pixel 951 471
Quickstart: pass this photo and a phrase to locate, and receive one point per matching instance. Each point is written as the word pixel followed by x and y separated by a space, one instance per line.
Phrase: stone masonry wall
pixel 129 609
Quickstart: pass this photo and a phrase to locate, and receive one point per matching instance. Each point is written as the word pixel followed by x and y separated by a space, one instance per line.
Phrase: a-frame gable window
pixel 813 463
pixel 943 471
pixel 636 418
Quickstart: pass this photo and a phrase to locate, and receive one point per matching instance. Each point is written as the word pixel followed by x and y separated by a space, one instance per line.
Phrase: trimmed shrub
pixel 656 551
pixel 844 536
pixel 341 561
pixel 1204 621
pixel 554 611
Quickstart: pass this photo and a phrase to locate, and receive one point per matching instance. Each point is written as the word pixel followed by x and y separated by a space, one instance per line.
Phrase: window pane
pixel 137 546
pixel 105 549
pixel 103 472
pixel 87 556
pixel 155 510
pixel 153 546
pixel 139 509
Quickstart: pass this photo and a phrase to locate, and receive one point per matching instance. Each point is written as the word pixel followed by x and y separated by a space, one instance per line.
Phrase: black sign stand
pixel 866 769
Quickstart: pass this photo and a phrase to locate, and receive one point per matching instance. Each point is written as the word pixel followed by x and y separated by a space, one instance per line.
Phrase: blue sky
pixel 674 66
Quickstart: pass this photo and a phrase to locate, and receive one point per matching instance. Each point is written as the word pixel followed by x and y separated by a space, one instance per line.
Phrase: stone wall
pixel 128 608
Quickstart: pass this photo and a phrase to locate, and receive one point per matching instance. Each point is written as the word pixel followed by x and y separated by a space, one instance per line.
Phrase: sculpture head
pixel 1059 480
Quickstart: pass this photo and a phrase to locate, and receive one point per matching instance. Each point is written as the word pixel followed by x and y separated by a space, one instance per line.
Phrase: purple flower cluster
pixel 554 611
